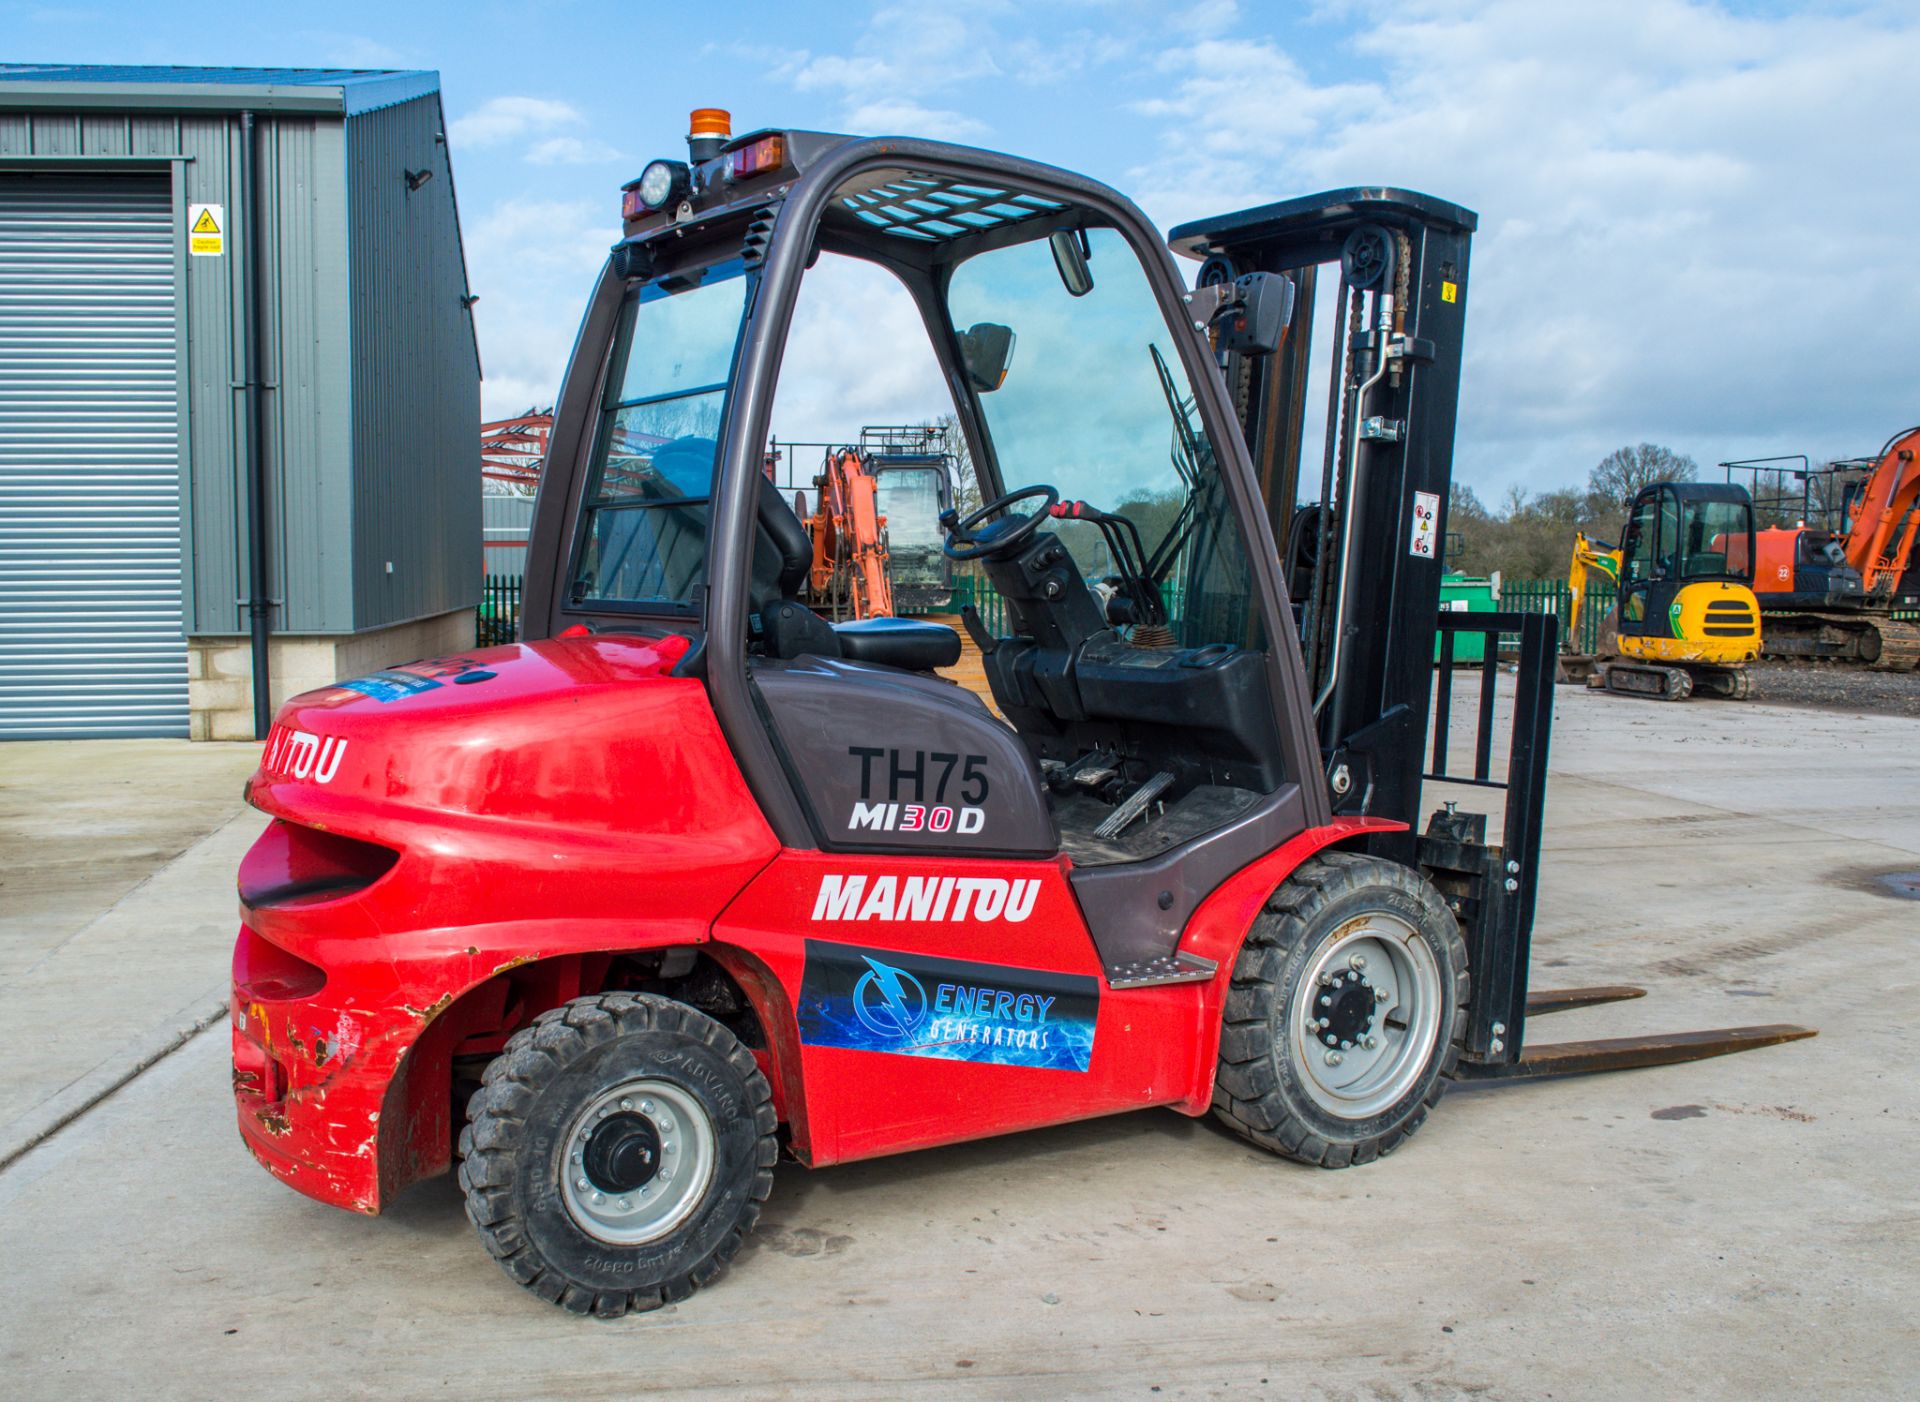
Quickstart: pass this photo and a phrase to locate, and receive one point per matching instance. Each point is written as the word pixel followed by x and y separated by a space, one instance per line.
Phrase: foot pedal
pixel 1090 771
pixel 1177 967
pixel 1135 805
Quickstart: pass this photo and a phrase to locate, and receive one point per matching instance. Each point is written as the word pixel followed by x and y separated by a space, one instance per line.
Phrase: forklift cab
pixel 1150 666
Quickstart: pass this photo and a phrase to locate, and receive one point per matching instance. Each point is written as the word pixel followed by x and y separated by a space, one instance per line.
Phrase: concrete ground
pixel 116 912
pixel 1737 1228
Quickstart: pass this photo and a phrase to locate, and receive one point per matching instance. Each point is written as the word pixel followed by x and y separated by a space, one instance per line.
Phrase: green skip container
pixel 1462 593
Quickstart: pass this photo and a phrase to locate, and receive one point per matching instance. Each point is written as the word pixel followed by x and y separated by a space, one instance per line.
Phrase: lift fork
pixel 1619 1053
pixel 1490 887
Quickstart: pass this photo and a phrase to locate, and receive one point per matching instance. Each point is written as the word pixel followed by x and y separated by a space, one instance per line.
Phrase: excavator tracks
pixel 1879 643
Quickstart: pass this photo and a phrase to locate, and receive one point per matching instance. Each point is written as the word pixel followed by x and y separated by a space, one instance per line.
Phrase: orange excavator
pixel 1829 591
pixel 849 577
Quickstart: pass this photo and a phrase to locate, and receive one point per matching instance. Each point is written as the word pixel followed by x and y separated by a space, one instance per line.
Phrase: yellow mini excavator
pixel 1686 618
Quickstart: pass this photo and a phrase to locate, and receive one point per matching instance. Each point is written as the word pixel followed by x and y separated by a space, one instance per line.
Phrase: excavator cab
pixel 1685 617
pixel 1686 568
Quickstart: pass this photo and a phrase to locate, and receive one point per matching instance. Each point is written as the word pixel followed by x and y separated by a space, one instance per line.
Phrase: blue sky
pixel 1697 220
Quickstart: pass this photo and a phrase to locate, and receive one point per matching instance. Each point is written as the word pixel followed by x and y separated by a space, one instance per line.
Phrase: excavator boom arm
pixel 1880 539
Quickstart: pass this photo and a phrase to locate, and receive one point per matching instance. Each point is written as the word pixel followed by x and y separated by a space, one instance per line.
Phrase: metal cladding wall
pixel 369 355
pixel 416 374
pixel 508 524
pixel 90 607
pixel 305 357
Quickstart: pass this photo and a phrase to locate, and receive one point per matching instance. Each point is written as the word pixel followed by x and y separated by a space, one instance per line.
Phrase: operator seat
pixel 782 557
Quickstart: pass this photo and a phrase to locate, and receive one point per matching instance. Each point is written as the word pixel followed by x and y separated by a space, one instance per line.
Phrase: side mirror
pixel 1254 316
pixel 1070 259
pixel 987 350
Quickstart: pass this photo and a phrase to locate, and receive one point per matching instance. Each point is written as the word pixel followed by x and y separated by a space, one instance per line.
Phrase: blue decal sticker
pixel 391 686
pixel 913 1005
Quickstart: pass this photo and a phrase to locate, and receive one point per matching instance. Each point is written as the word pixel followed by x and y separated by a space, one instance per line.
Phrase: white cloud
pixel 1692 224
pixel 901 116
pixel 571 151
pixel 857 355
pixel 533 262
pixel 348 50
pixel 502 119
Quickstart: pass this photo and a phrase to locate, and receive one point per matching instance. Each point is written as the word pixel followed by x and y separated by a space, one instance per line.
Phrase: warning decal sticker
pixel 1426 524
pixel 392 685
pixel 206 230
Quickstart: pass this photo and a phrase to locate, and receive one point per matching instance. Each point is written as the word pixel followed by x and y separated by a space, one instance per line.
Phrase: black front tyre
pixel 617 1153
pixel 1347 1010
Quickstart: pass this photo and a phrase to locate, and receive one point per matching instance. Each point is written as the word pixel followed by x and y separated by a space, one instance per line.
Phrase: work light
pixel 663 182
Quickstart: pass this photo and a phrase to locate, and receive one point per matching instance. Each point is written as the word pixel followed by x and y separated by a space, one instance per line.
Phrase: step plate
pixel 1162 968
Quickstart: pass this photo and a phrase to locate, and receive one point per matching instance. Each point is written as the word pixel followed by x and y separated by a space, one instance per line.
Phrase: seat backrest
pixel 782 550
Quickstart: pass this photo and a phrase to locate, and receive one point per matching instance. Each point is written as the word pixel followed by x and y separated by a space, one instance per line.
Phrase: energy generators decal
pixel 915 1005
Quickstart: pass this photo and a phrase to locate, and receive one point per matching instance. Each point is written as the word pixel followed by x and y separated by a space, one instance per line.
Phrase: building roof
pixel 137 86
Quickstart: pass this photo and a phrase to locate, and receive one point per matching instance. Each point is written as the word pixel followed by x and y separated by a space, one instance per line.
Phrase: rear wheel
pixel 617 1153
pixel 1346 1011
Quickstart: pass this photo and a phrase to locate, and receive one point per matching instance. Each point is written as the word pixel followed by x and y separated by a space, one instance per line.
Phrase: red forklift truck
pixel 690 876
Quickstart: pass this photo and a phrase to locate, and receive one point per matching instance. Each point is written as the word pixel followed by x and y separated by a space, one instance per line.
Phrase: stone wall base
pixel 220 670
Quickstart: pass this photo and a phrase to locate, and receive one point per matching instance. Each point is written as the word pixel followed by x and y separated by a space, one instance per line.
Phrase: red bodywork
pixel 1778 549
pixel 450 861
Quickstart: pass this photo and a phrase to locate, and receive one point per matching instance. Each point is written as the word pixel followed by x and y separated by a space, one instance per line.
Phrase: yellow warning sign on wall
pixel 206 230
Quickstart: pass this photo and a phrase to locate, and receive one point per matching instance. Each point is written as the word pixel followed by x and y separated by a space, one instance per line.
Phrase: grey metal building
pixel 184 354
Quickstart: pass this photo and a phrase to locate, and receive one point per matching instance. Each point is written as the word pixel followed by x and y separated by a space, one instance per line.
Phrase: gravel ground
pixel 1826 687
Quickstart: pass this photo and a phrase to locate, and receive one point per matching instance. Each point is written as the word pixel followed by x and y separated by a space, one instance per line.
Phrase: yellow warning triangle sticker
pixel 204 224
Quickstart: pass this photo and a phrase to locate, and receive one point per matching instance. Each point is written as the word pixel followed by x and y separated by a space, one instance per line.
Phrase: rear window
pixel 643 537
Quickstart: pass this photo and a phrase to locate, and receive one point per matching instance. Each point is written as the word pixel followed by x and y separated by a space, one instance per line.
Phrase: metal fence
pixel 497 620
pixel 1554 597
pixel 970 586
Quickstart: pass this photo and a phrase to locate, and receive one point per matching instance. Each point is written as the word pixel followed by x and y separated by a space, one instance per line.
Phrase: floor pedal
pixel 1135 805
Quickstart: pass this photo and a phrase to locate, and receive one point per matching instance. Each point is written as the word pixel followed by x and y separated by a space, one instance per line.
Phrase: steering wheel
pixel 1003 535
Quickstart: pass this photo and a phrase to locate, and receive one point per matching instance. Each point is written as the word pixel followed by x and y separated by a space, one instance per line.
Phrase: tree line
pixel 1530 535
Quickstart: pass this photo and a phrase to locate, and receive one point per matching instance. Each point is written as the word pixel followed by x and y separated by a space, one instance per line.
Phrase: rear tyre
pixel 617 1153
pixel 1346 1012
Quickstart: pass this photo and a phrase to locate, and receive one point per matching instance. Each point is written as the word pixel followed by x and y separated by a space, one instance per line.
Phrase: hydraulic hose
pixel 1356 415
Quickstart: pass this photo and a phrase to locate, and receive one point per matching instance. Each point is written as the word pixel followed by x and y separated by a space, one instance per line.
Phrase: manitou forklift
pixel 691 877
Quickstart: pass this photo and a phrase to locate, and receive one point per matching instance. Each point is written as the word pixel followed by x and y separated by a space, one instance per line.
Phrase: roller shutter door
pixel 91 639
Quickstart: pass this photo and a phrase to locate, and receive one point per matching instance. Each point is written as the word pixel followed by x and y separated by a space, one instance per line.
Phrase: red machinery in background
pixel 514 450
pixel 1829 582
pixel 849 577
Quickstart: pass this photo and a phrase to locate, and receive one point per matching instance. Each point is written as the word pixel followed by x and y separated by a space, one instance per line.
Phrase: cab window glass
pixel 644 516
pixel 1095 402
pixel 1716 541
pixel 1642 541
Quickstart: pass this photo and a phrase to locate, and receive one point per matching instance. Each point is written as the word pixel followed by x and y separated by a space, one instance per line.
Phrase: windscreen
pixel 1717 541
pixel 1094 402
pixel 911 499
pixel 643 536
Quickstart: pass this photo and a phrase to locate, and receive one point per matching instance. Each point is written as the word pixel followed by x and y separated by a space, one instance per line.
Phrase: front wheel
pixel 1347 1010
pixel 617 1153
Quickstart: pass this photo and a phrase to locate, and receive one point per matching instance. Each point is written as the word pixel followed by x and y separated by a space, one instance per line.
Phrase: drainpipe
pixel 253 425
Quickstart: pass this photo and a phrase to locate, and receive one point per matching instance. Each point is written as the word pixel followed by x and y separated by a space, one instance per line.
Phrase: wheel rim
pixel 638 1162
pixel 1376 959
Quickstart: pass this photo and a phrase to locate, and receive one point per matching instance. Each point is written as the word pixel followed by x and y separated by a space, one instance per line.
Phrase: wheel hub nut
pixel 1346 1009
